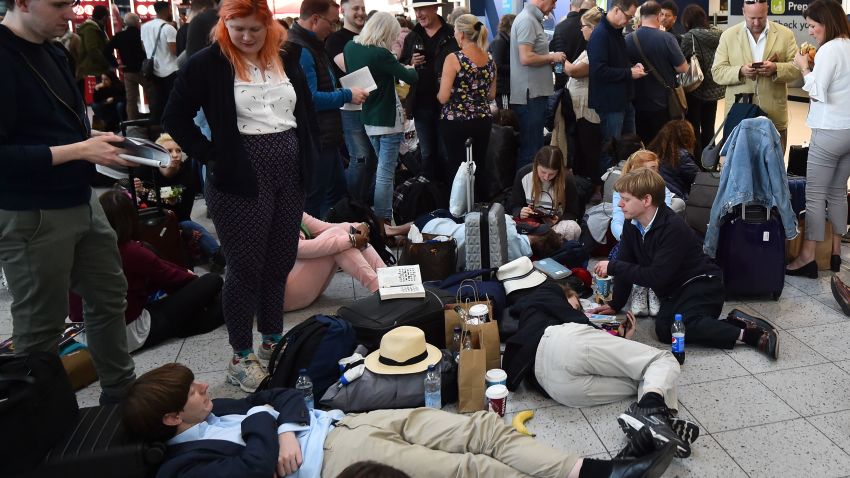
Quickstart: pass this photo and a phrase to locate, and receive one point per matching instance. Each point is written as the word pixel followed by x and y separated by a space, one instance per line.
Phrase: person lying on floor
pixel 577 364
pixel 322 247
pixel 191 304
pixel 272 433
pixel 660 251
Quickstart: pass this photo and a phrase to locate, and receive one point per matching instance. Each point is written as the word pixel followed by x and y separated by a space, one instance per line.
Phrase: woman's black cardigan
pixel 207 82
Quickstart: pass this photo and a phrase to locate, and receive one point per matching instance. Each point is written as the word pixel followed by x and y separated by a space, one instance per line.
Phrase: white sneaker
pixel 654 303
pixel 247 372
pixel 639 301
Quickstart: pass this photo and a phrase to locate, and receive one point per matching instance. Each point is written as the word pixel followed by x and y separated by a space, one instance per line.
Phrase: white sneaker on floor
pixel 654 303
pixel 640 301
pixel 246 372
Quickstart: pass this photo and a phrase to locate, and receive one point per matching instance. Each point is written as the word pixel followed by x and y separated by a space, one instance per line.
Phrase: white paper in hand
pixel 361 78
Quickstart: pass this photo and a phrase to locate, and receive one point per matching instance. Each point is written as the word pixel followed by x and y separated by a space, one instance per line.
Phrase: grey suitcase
pixel 486 237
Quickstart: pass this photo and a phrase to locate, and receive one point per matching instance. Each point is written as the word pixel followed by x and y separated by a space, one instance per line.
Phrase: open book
pixel 400 282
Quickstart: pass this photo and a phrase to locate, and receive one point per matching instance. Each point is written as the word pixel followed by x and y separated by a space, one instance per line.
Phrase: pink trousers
pixel 310 277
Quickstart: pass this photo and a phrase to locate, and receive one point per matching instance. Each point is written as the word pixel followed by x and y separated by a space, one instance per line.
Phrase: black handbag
pixel 703 192
pixel 147 69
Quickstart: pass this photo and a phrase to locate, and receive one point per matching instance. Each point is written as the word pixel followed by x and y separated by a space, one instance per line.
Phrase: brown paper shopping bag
pixel 470 380
pixel 484 336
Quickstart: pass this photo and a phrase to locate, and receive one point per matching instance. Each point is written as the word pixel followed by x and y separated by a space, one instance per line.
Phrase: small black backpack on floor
pixel 316 344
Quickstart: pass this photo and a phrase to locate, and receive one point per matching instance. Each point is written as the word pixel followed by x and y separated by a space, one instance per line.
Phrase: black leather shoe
pixel 746 321
pixel 649 466
pixel 809 270
pixel 835 263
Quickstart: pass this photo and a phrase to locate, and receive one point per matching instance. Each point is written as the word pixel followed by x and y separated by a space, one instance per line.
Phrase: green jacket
pixel 92 60
pixel 380 108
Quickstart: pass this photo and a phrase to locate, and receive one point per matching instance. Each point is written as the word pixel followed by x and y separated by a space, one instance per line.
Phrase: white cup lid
pixel 496 391
pixel 495 375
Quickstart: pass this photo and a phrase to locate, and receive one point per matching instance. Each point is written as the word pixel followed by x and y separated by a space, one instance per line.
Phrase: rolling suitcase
pixel 797 188
pixel 486 237
pixel 751 252
pixel 798 159
pixel 372 318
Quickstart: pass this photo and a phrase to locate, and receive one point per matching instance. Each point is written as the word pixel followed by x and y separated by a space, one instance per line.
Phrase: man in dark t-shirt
pixel 664 56
pixel 362 163
pixel 54 235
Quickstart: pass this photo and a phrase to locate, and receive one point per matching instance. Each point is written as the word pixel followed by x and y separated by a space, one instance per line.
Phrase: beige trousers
pixel 424 442
pixel 580 366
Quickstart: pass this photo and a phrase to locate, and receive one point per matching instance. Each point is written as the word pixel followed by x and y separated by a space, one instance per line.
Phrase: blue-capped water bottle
pixel 305 386
pixel 678 332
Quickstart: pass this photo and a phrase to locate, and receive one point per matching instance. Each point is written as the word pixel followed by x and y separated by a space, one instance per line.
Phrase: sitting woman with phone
pixel 322 248
pixel 543 192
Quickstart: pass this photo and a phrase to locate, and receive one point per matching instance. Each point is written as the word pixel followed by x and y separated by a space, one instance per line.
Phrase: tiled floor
pixel 759 418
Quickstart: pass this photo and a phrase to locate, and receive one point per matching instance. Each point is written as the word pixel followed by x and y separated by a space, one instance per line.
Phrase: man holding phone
pixel 756 56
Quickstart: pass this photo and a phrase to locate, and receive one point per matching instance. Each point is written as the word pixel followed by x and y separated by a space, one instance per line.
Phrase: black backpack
pixel 316 344
pixel 418 196
pixel 351 210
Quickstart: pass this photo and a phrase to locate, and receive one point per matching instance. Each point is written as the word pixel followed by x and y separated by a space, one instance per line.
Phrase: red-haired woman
pixel 263 125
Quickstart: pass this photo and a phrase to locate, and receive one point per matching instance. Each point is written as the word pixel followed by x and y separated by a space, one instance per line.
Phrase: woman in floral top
pixel 467 86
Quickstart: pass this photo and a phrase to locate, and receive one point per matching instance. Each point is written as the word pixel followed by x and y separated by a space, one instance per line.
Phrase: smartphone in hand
pixel 757 65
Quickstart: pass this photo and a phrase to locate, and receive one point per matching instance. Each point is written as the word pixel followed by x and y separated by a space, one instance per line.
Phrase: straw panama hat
pixel 403 350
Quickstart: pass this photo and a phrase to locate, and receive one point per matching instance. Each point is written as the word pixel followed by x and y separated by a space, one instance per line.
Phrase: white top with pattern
pixel 265 104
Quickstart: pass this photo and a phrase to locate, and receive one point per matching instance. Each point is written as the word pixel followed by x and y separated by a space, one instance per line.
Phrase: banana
pixel 519 422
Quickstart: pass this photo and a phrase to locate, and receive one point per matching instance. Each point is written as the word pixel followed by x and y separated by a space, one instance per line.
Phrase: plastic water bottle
pixel 432 388
pixel 678 331
pixel 456 344
pixel 305 386
pixel 467 340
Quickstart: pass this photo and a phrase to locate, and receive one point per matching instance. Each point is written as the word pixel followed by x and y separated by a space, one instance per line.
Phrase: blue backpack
pixel 316 344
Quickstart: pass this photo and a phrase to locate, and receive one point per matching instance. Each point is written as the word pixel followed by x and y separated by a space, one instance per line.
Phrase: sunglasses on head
pixel 753 2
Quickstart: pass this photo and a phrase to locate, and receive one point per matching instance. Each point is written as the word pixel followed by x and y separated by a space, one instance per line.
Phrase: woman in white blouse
pixel 263 125
pixel 588 135
pixel 827 81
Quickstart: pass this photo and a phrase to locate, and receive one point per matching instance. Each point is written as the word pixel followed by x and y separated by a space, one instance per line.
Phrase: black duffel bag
pixel 372 318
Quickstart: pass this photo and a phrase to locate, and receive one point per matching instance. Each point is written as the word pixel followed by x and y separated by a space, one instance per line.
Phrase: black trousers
pixel 162 90
pixel 194 309
pixel 454 134
pixel 649 123
pixel 700 303
pixel 701 114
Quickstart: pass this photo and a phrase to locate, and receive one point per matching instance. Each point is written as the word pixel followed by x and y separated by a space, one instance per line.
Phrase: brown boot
pixel 758 332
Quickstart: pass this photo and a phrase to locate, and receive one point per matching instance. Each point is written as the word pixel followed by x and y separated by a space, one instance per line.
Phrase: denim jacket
pixel 754 172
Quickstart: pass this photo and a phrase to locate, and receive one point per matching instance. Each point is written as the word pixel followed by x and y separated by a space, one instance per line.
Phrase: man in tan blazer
pixel 756 56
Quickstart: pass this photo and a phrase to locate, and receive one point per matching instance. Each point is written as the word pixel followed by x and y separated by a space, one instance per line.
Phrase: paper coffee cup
pixel 479 314
pixel 603 287
pixel 497 399
pixel 495 376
